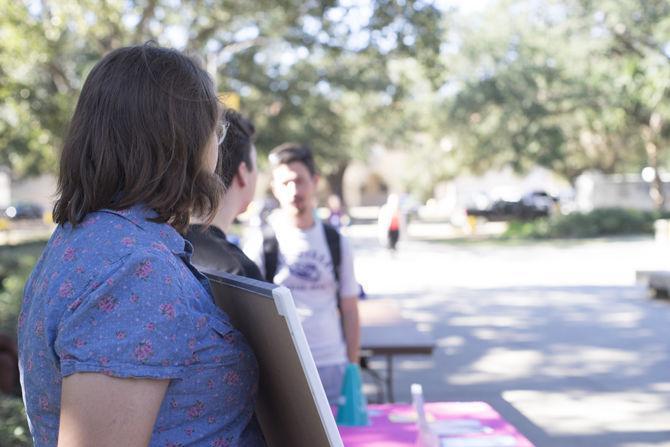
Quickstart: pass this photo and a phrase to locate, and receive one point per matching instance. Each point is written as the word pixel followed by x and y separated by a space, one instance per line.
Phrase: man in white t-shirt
pixel 328 306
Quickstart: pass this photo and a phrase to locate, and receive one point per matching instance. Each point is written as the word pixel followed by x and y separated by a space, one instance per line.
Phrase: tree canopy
pixel 571 85
pixel 305 71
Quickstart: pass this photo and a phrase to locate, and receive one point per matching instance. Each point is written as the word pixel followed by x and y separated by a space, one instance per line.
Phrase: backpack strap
pixel 270 252
pixel 333 242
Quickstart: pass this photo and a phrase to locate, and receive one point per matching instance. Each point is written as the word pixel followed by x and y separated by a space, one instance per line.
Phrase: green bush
pixel 597 223
pixel 16 263
pixel 13 425
pixel 537 229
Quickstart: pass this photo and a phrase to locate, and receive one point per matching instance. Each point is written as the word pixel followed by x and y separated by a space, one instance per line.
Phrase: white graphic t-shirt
pixel 304 266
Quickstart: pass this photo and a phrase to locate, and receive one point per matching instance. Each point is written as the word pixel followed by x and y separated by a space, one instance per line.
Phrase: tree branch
pixel 147 14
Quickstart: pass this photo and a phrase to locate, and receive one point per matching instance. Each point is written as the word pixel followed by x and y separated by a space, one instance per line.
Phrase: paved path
pixel 556 336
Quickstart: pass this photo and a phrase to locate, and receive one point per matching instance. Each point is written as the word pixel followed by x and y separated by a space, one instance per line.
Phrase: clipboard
pixel 291 407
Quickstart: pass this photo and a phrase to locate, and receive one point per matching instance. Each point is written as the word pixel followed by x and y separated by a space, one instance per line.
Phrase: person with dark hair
pixel 120 342
pixel 9 366
pixel 337 217
pixel 237 170
pixel 314 261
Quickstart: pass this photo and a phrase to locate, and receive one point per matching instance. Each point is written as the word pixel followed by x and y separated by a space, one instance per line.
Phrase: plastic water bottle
pixel 426 436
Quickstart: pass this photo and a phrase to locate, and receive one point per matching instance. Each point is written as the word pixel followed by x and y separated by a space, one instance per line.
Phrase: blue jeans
pixel 331 379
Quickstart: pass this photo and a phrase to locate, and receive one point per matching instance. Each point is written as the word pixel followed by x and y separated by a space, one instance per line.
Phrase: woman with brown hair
pixel 120 342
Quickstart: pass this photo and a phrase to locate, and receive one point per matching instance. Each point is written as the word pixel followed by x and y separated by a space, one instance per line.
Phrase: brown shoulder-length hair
pixel 139 135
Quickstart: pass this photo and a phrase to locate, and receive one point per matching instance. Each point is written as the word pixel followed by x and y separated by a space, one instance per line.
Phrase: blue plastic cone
pixel 353 409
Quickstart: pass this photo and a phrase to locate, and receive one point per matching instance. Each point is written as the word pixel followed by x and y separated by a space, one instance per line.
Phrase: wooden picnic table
pixel 386 333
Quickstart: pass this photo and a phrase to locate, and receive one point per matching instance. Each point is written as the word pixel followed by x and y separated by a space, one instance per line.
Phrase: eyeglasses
pixel 221 131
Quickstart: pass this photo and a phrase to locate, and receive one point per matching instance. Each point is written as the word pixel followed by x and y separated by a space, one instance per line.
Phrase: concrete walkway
pixel 555 335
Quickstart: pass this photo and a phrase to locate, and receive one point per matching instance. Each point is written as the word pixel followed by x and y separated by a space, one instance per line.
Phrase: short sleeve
pixel 134 321
pixel 348 285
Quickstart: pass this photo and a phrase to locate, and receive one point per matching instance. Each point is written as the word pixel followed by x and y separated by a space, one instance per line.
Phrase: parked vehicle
pixel 530 206
pixel 23 211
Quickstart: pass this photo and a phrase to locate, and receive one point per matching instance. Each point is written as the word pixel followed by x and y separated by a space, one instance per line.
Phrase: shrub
pixel 597 223
pixel 16 262
pixel 14 427
pixel 523 229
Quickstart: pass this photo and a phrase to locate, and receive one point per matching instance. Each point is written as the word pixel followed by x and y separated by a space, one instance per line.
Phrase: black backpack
pixel 271 253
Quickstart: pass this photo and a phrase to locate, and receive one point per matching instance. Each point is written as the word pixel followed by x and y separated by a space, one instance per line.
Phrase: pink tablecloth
pixel 470 424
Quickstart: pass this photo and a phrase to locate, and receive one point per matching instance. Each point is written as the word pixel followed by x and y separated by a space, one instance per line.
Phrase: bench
pixel 658 282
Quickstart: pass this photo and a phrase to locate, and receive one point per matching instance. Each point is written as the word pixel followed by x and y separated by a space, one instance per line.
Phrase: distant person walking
pixel 390 222
pixel 336 215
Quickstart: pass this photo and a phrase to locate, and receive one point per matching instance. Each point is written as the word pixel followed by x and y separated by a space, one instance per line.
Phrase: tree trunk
pixel 651 134
pixel 335 181
pixel 656 186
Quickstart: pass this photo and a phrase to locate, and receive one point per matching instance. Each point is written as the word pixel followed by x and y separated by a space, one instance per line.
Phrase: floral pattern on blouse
pixel 118 295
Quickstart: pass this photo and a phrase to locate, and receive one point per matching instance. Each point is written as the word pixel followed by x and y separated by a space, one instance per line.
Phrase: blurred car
pixel 530 206
pixel 541 200
pixel 23 211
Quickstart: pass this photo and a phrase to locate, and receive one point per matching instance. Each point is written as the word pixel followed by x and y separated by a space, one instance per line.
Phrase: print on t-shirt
pixel 310 272
pixel 309 267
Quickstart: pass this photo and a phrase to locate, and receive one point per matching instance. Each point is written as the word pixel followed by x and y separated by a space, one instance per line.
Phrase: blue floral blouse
pixel 118 295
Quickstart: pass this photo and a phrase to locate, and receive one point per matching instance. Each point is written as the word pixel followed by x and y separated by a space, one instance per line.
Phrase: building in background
pixel 5 188
pixel 595 190
pixel 39 190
